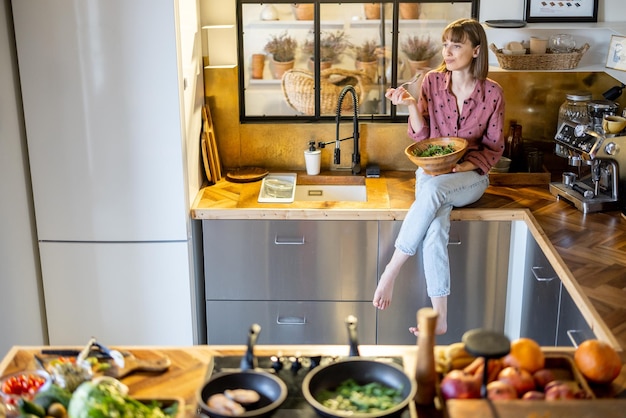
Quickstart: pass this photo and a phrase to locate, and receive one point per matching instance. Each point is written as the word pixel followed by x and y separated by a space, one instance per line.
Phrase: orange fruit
pixel 525 354
pixel 597 361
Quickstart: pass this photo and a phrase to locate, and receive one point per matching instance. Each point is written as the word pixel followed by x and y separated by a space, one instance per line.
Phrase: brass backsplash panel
pixel 532 99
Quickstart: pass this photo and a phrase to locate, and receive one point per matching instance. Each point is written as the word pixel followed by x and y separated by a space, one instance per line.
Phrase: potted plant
pixel 419 50
pixel 366 58
pixel 282 48
pixel 332 46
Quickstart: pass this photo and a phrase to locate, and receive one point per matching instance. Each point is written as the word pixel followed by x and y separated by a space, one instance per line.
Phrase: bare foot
pixel 384 290
pixel 441 328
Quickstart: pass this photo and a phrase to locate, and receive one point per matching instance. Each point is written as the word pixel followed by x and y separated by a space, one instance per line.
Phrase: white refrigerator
pixel 112 93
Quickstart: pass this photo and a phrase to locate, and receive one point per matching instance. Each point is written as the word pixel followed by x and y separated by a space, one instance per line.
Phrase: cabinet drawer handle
pixel 288 241
pixel 537 273
pixel 571 333
pixel 291 320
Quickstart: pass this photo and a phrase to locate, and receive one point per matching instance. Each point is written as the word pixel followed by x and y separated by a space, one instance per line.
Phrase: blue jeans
pixel 428 221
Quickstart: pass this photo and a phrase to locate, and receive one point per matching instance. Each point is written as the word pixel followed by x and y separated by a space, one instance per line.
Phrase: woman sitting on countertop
pixel 455 99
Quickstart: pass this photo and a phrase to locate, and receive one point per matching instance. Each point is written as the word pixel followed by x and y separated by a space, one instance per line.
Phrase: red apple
pixel 542 377
pixel 460 385
pixel 559 389
pixel 520 379
pixel 499 390
pixel 533 395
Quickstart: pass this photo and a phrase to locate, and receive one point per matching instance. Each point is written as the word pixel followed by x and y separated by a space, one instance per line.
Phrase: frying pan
pixel 362 371
pixel 273 391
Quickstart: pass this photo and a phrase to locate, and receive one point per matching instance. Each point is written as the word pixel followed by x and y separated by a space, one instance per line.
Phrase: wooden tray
pixel 563 368
pixel 246 174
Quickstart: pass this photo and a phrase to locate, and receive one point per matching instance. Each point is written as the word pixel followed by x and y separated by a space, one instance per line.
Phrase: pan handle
pixel 351 323
pixel 248 361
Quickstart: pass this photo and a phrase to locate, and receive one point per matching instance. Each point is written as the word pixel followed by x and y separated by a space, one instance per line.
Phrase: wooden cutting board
pixel 210 146
pixel 205 159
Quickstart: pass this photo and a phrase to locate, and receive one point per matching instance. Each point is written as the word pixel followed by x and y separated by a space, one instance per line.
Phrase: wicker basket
pixel 547 61
pixel 299 89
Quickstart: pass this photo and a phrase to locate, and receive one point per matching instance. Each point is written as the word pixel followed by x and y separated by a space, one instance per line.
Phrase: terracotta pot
pixel 372 10
pixel 409 10
pixel 416 66
pixel 323 65
pixel 303 11
pixel 370 69
pixel 278 68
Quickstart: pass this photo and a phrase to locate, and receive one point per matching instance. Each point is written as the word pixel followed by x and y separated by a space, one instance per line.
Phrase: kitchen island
pixel 192 366
pixel 587 251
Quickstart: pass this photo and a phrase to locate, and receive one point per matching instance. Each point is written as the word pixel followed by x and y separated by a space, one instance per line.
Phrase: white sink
pixel 331 193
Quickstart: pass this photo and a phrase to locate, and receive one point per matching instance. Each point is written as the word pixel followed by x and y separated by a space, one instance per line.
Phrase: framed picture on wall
pixel 561 10
pixel 616 57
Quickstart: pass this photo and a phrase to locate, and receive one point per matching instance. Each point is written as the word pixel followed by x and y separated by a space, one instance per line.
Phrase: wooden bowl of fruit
pixel 437 155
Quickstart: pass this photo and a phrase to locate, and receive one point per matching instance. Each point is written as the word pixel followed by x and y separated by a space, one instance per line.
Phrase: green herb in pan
pixel 350 396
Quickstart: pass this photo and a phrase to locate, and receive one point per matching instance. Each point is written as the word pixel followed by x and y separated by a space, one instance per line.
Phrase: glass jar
pixel 574 108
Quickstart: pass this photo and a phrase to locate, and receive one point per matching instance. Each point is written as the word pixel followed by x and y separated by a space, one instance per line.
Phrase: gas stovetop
pixel 291 370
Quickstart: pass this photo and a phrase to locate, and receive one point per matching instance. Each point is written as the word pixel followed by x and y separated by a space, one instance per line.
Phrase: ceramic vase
pixel 258 65
pixel 269 12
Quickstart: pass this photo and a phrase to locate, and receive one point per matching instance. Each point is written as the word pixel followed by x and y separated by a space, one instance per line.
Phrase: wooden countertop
pixel 588 251
pixel 192 366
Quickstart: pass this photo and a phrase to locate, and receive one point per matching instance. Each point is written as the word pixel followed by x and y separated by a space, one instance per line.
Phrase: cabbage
pixel 108 398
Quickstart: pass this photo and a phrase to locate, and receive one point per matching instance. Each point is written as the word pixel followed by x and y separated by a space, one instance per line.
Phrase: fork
pixel 411 81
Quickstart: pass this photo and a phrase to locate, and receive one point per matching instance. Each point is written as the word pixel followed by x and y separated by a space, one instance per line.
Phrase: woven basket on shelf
pixel 547 61
pixel 299 89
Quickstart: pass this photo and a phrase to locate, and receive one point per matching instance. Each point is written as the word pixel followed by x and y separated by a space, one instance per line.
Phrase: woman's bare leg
pixel 384 290
pixel 440 305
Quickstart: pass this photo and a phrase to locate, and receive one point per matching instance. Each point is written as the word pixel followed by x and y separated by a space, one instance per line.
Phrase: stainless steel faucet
pixel 356 156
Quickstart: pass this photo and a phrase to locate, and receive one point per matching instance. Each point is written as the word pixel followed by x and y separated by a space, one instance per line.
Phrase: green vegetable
pixel 26 407
pixel 54 393
pixel 434 151
pixel 350 396
pixel 108 398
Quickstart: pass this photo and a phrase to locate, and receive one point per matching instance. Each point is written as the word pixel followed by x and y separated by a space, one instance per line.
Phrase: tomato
pixel 23 384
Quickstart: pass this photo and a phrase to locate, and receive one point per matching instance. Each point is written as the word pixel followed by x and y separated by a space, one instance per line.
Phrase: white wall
pixel 608 10
pixel 21 319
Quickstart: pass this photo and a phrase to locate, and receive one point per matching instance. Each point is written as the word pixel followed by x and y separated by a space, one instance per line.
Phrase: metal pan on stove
pixel 363 371
pixel 271 389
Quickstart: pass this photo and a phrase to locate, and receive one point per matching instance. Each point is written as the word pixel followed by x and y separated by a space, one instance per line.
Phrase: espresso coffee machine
pixel 603 188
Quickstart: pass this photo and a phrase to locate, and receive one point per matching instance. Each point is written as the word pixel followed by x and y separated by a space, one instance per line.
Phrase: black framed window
pixel 327 44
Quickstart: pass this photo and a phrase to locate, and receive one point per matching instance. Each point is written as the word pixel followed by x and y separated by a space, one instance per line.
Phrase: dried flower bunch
pixel 367 51
pixel 332 46
pixel 282 47
pixel 418 48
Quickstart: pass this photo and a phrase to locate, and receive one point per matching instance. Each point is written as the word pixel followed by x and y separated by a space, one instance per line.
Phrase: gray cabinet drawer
pixel 540 300
pixel 572 328
pixel 289 322
pixel 290 260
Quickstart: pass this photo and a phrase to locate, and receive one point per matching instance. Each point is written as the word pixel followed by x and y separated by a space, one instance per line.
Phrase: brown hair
pixel 469 29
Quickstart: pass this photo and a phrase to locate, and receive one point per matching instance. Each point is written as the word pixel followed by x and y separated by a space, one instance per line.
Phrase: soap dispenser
pixel 312 159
